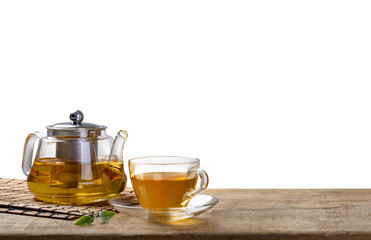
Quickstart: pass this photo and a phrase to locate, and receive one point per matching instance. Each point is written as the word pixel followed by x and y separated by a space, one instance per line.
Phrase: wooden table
pixel 240 214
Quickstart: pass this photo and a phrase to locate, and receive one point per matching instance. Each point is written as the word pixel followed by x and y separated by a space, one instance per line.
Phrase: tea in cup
pixel 166 182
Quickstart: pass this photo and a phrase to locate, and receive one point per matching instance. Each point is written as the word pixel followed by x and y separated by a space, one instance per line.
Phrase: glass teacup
pixel 165 183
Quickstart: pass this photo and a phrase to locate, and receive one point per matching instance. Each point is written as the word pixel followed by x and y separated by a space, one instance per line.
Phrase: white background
pixel 268 94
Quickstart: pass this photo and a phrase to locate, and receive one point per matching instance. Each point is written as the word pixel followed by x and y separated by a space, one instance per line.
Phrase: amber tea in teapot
pixel 64 182
pixel 75 163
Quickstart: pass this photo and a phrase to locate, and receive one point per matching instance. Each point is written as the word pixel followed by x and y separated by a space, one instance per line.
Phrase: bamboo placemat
pixel 15 198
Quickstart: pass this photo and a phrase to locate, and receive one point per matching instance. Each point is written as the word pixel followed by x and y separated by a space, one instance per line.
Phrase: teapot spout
pixel 116 153
pixel 113 176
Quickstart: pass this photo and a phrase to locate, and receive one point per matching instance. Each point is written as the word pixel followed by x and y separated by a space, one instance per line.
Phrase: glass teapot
pixel 75 163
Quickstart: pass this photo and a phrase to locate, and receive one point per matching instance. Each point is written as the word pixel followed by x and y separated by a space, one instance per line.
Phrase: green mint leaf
pixel 84 221
pixel 106 215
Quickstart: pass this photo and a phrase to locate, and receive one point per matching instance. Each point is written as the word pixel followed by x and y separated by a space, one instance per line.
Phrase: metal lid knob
pixel 77 117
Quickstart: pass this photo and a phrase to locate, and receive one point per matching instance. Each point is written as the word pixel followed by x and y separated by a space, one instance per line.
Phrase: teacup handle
pixel 204 181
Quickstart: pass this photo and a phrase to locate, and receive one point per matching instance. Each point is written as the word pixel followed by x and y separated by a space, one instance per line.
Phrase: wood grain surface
pixel 240 214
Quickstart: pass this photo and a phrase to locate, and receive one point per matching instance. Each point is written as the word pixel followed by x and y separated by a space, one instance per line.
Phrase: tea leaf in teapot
pixel 113 177
pixel 106 215
pixel 84 221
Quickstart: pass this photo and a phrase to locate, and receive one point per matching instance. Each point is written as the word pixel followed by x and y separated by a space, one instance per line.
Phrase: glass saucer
pixel 129 204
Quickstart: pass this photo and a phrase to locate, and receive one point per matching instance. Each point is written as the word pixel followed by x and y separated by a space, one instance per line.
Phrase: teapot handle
pixel 28 151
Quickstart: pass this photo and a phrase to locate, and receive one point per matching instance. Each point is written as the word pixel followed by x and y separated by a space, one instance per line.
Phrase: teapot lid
pixel 76 125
